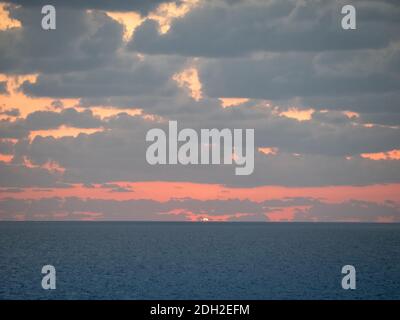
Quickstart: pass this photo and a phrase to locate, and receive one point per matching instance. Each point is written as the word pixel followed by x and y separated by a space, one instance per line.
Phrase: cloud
pixel 19 175
pixel 14 112
pixel 357 211
pixel 6 147
pixel 83 40
pixel 40 120
pixel 217 29
pixel 311 152
pixel 272 62
pixel 142 6
pixel 112 187
pixel 13 130
pixel 295 75
pixel 92 63
pixel 117 155
pixel 3 87
pixel 119 79
pixel 73 208
pixel 45 120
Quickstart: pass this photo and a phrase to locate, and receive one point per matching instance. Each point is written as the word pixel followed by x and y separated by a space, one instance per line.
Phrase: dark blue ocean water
pixel 150 260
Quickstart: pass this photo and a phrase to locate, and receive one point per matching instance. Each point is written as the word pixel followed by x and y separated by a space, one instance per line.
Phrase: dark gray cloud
pixel 117 154
pixel 82 41
pixel 6 147
pixel 13 190
pixel 292 53
pixel 288 76
pixel 14 112
pixel 45 120
pixel 124 78
pixel 112 187
pixel 141 6
pixel 42 120
pixel 13 130
pixel 3 87
pixel 87 65
pixel 21 176
pixel 216 29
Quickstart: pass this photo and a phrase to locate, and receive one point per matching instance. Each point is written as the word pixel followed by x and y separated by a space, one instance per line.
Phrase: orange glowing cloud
pixel 6 22
pixel 15 98
pixel 107 111
pixel 130 21
pixel 164 14
pixel 232 102
pixel 189 79
pixel 165 191
pixel 389 155
pixel 268 151
pixel 6 158
pixel 167 12
pixel 63 131
pixel 351 114
pixel 298 114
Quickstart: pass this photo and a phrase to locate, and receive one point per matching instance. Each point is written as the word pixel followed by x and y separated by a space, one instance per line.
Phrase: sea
pixel 189 260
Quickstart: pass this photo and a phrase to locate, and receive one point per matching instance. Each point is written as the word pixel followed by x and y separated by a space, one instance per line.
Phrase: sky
pixel 76 104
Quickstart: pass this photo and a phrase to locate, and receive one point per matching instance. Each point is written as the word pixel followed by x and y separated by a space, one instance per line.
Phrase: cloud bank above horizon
pixel 76 103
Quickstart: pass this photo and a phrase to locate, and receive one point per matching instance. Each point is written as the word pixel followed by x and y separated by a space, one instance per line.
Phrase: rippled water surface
pixel 151 260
